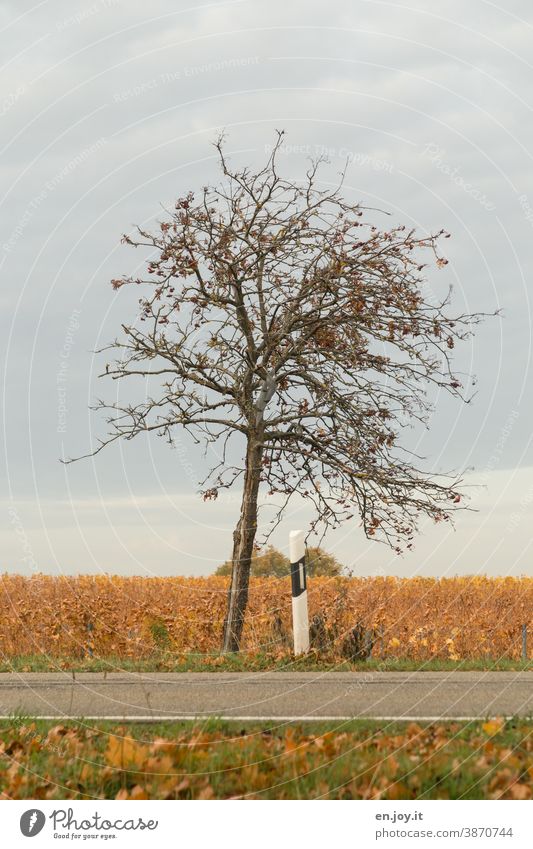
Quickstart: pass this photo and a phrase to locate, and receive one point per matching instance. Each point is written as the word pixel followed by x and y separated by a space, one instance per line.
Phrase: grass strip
pixel 214 759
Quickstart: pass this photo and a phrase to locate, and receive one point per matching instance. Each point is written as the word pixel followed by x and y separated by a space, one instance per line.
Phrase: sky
pixel 108 111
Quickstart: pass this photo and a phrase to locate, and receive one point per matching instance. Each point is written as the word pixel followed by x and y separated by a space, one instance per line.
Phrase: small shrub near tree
pixel 272 563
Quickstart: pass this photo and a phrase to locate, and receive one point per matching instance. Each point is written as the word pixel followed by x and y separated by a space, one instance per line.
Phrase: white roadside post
pixel 300 616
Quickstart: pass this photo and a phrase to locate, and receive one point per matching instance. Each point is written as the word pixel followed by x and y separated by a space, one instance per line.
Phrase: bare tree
pixel 277 315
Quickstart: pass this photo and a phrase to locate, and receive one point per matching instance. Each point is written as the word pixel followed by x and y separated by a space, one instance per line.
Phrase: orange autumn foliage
pixel 131 617
pixel 393 761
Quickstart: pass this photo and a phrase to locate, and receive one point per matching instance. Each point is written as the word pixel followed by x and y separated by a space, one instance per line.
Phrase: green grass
pixel 224 759
pixel 165 661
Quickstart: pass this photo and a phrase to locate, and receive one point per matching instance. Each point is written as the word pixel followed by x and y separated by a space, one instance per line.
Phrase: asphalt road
pixel 279 695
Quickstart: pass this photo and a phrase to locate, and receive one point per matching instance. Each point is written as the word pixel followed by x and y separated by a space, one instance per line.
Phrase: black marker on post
pixel 300 615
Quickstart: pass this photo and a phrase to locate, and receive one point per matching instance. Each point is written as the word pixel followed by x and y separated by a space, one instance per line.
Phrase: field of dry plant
pixel 412 618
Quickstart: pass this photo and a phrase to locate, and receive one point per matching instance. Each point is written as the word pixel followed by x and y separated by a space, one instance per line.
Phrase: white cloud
pixel 179 534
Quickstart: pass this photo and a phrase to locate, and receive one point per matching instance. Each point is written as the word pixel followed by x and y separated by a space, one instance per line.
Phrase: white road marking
pixel 232 718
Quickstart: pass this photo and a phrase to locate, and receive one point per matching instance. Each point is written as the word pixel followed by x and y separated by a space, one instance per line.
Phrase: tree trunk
pixel 243 546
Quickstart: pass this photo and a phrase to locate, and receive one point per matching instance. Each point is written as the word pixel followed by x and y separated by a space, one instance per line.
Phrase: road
pixel 268 695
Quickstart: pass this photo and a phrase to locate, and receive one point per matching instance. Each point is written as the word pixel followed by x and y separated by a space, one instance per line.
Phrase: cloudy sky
pixel 107 112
